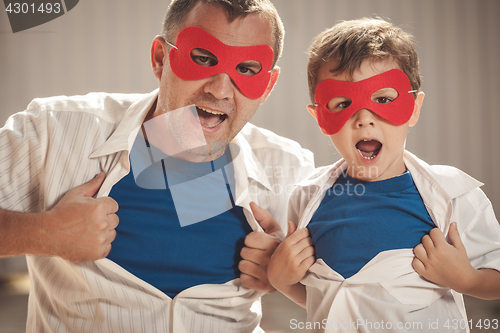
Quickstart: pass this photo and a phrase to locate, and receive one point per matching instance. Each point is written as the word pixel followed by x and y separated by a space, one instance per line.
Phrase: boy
pixel 366 212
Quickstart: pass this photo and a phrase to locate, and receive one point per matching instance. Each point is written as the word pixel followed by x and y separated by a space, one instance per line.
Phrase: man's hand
pixel 80 228
pixel 259 248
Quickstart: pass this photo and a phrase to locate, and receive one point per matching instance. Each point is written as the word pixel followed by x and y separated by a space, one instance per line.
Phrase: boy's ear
pixel 158 56
pixel 416 109
pixel 312 110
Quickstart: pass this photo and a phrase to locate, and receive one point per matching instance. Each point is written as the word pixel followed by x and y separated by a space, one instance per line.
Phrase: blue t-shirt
pixel 356 220
pixel 152 244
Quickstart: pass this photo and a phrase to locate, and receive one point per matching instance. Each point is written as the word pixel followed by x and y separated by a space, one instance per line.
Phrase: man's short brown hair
pixel 178 9
pixel 351 42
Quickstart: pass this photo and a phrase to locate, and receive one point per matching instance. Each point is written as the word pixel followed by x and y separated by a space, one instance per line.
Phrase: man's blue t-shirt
pixel 152 244
pixel 356 220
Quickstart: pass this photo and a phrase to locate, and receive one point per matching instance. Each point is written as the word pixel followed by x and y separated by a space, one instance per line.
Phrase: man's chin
pixel 213 149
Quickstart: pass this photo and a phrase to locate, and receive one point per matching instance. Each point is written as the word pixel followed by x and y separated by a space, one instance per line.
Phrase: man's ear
pixel 159 52
pixel 312 110
pixel 416 109
pixel 275 73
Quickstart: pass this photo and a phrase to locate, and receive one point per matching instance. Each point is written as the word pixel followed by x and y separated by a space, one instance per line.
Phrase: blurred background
pixel 104 46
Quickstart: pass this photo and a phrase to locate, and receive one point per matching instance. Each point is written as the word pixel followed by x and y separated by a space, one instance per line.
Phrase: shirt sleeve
pixel 23 141
pixel 479 229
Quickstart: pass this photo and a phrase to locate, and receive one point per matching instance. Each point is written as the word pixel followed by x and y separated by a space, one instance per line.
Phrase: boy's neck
pixel 371 173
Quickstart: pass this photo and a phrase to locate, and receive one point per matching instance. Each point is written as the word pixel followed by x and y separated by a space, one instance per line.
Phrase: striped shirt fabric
pixel 61 142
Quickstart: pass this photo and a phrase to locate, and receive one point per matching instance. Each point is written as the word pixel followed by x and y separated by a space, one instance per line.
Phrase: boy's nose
pixel 220 86
pixel 365 118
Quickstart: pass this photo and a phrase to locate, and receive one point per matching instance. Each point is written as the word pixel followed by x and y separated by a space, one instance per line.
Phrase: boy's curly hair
pixel 351 42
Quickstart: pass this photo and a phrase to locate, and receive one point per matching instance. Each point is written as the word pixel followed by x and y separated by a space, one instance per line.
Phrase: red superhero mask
pixel 227 60
pixel 398 111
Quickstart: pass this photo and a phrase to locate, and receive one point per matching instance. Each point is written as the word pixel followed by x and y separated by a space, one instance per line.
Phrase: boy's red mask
pixel 228 57
pixel 397 112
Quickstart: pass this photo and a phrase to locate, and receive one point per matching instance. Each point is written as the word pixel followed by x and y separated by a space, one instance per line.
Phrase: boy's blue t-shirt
pixel 356 220
pixel 152 244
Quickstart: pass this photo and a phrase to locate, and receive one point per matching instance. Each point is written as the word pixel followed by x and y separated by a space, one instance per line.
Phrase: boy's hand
pixel 443 263
pixel 292 258
pixel 259 247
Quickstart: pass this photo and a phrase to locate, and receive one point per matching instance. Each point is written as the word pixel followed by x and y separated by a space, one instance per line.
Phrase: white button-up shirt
pixel 387 294
pixel 61 142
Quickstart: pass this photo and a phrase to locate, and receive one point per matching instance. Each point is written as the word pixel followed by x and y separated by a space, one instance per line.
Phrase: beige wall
pixel 104 46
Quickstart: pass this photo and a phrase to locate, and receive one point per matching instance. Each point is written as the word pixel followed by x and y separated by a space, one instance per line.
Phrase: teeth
pixel 210 126
pixel 217 113
pixel 211 111
pixel 367 157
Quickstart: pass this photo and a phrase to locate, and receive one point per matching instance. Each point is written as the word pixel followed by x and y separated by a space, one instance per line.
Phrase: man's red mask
pixel 228 59
pixel 360 93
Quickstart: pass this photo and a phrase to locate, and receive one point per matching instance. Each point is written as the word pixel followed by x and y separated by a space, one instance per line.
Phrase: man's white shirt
pixel 61 142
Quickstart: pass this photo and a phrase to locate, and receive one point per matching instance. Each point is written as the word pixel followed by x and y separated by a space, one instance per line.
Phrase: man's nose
pixel 220 86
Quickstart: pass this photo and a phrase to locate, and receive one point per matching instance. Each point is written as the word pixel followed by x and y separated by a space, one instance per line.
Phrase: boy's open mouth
pixel 210 118
pixel 368 149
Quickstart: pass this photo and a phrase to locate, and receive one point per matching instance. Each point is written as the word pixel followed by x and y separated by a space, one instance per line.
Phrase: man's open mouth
pixel 210 118
pixel 368 149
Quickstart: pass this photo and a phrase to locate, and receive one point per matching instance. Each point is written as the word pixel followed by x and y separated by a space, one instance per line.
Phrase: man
pixel 215 59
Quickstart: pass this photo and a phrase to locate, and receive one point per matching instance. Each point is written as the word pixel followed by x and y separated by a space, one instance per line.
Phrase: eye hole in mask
pixel 249 68
pixel 338 104
pixel 385 96
pixel 206 58
pixel 382 96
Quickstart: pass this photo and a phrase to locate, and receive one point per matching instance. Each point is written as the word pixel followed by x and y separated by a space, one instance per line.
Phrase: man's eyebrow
pixel 205 52
pixel 251 63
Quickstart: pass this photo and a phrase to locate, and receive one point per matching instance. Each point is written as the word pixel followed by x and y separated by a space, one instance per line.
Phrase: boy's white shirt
pixel 387 290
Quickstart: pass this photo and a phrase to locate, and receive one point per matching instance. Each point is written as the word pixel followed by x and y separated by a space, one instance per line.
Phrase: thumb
pixel 291 228
pixel 90 188
pixel 454 236
pixel 266 220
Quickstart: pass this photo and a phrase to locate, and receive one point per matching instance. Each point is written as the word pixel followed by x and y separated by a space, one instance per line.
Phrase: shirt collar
pixel 124 135
pixel 449 180
pixel 324 175
pixel 246 164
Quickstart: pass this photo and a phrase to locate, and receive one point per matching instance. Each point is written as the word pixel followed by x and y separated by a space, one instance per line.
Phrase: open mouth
pixel 210 118
pixel 369 149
